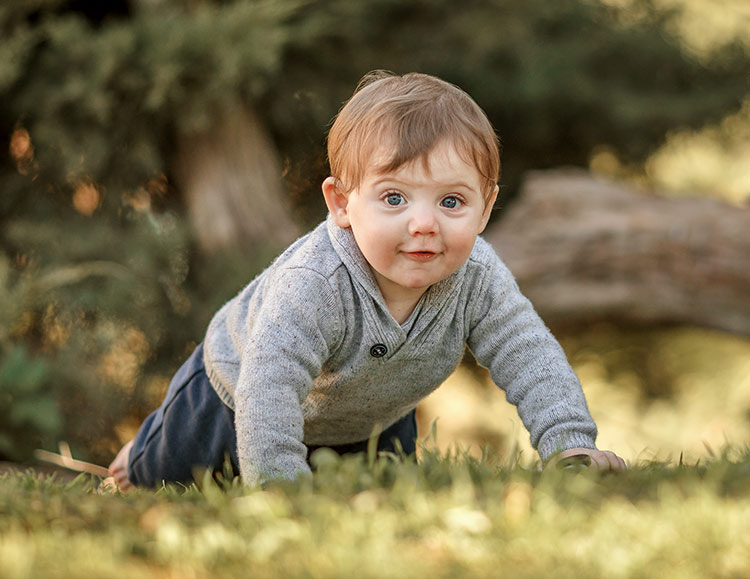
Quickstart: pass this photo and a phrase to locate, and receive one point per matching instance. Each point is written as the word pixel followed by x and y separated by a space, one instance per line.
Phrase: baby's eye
pixel 451 202
pixel 394 199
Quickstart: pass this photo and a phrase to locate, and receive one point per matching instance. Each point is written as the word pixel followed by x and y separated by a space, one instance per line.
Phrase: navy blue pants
pixel 193 429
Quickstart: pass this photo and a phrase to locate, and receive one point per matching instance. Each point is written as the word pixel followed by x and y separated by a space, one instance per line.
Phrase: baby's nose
pixel 423 221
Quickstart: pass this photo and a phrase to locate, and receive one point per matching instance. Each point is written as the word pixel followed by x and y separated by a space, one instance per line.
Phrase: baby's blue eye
pixel 394 199
pixel 450 202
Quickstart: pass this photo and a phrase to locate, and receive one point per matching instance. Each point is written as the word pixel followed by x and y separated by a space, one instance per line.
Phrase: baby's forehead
pixel 384 159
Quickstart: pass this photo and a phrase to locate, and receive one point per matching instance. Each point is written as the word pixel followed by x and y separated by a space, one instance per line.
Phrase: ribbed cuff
pixel 550 446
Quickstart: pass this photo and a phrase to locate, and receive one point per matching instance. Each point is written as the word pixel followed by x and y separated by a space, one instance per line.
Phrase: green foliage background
pixel 99 307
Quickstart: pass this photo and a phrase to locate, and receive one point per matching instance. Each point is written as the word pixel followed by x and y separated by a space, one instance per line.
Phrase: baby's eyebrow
pixel 459 185
pixel 398 183
pixel 390 182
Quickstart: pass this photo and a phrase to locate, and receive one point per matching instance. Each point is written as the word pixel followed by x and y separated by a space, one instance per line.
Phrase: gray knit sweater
pixel 308 353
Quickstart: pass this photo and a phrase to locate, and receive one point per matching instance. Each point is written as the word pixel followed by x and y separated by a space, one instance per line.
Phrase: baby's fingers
pixel 584 457
pixel 607 460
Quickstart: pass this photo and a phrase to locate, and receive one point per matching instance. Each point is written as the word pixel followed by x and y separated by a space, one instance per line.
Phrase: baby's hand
pixel 604 460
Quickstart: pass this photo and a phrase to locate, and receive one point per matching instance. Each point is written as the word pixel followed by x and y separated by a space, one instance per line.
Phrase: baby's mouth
pixel 421 255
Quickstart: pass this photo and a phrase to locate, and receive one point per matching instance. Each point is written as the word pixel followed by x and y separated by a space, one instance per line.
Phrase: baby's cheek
pixel 462 247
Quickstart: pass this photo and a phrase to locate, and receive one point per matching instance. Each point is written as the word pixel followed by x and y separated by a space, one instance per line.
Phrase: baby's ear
pixel 337 200
pixel 488 209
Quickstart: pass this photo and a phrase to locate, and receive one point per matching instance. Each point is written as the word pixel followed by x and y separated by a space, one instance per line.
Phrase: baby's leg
pixel 118 470
pixel 404 430
pixel 191 430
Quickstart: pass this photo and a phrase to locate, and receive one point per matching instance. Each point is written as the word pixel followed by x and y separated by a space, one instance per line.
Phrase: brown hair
pixel 414 112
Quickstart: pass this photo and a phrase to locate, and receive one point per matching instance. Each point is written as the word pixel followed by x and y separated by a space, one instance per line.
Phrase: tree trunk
pixel 586 250
pixel 230 176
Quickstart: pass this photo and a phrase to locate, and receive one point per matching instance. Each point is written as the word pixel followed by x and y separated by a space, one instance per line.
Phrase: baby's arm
pixel 286 345
pixel 525 360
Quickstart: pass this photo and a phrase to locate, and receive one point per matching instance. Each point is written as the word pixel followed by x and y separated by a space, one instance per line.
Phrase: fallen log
pixel 586 250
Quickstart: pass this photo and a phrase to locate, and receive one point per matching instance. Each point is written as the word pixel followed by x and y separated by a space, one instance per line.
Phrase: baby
pixel 363 317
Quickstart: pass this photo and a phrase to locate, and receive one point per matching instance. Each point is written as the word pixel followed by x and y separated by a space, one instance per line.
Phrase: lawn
pixel 450 515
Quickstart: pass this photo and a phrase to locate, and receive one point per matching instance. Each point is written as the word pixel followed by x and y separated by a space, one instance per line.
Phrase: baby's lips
pixel 421 255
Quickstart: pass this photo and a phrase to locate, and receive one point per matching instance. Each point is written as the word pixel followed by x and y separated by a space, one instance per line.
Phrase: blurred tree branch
pixel 586 250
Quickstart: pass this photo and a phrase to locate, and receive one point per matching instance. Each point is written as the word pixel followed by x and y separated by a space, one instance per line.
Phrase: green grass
pixel 448 516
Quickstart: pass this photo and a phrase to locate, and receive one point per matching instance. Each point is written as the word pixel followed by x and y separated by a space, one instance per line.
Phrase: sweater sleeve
pixel 526 361
pixel 288 337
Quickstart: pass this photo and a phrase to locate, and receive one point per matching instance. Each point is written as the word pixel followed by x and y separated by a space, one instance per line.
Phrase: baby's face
pixel 418 224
